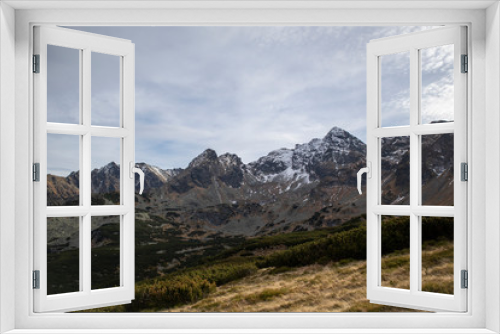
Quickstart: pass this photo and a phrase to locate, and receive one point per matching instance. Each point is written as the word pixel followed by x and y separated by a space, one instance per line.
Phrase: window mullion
pixel 128 159
pixel 414 171
pixel 86 154
pixel 81 240
pixel 86 252
pixel 85 175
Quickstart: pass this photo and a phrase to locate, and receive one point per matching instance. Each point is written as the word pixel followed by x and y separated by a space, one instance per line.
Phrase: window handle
pixel 139 171
pixel 368 171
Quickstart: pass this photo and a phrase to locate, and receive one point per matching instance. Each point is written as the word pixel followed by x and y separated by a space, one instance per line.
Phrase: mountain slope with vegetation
pixel 252 274
pixel 220 220
pixel 334 287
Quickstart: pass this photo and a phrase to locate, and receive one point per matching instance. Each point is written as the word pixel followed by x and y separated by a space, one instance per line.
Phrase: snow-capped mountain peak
pixel 229 160
pixel 208 155
pixel 300 163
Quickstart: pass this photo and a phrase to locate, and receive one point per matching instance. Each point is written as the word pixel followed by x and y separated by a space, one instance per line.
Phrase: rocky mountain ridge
pixel 307 187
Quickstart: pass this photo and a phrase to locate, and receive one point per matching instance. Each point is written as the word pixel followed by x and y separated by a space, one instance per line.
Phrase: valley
pixel 219 221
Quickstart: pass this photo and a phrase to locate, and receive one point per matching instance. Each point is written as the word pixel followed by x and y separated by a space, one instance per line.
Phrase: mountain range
pixel 310 186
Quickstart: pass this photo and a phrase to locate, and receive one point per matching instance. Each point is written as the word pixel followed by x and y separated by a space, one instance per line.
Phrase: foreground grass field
pixel 334 287
pixel 312 271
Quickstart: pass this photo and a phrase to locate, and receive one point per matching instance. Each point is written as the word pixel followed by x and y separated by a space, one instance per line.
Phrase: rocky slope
pixel 304 188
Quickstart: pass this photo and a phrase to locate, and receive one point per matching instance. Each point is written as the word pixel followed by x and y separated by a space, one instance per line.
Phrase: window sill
pixel 251 331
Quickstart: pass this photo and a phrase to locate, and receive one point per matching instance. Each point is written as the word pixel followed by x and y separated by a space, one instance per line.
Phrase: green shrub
pixel 183 287
pixel 351 243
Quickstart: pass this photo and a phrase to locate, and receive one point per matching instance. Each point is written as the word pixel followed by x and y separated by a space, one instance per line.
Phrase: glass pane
pixel 63 175
pixel 437 254
pixel 395 171
pixel 105 171
pixel 437 169
pixel 63 85
pixel 395 89
pixel 105 90
pixel 395 252
pixel 437 84
pixel 105 252
pixel 63 255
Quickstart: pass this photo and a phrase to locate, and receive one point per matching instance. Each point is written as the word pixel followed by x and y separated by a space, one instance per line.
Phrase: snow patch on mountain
pixel 298 164
pixel 228 160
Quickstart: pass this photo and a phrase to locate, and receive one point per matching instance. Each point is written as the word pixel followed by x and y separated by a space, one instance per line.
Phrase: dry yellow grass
pixel 317 288
pixel 437 268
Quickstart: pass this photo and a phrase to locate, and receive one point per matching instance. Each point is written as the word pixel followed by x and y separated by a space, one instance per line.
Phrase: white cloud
pixel 438 101
pixel 62 154
pixel 245 90
pixel 437 83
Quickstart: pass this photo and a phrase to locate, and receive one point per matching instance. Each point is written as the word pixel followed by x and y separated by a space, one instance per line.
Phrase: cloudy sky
pixel 244 90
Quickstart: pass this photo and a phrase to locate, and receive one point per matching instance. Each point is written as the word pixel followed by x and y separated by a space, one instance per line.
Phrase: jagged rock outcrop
pixel 279 192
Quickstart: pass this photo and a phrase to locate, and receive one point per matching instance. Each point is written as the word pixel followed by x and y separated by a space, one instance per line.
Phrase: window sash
pixel 414 298
pixel 86 297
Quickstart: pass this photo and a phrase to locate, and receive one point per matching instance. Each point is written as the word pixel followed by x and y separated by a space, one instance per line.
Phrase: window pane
pixel 437 84
pixel 105 252
pixel 395 252
pixel 105 90
pixel 395 171
pixel 105 171
pixel 63 255
pixel 63 85
pixel 395 89
pixel 437 169
pixel 63 175
pixel 437 254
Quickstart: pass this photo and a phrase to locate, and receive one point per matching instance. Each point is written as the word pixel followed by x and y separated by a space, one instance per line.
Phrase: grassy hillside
pixel 334 287
pixel 298 266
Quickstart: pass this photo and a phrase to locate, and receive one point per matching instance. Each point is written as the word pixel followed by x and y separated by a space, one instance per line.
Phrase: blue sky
pixel 244 90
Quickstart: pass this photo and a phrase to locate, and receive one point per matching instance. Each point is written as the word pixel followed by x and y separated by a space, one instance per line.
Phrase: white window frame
pixel 86 44
pixel 484 103
pixel 413 43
